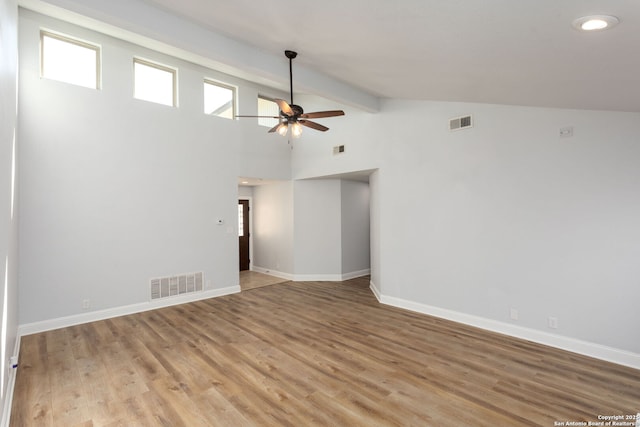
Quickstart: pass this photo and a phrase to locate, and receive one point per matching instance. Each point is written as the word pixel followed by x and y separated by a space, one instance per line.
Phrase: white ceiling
pixel 520 52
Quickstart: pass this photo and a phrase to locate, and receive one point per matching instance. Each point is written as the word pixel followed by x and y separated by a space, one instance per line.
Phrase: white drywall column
pixel 317 229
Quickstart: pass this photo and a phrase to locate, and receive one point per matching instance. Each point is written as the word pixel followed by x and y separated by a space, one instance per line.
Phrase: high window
pixel 219 99
pixel 267 107
pixel 154 82
pixel 69 60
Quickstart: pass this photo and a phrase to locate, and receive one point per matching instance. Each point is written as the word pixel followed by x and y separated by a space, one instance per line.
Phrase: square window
pixel 267 107
pixel 154 82
pixel 69 60
pixel 219 99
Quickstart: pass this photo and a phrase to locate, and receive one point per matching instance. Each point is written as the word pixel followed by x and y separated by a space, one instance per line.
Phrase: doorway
pixel 244 235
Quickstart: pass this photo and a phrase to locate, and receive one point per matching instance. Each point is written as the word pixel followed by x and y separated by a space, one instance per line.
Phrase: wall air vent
pixel 460 123
pixel 163 287
pixel 338 149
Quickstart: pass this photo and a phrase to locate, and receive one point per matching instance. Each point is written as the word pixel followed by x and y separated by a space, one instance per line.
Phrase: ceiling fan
pixel 292 115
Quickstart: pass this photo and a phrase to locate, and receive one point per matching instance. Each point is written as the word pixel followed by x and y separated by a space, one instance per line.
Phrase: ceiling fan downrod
pixel 291 55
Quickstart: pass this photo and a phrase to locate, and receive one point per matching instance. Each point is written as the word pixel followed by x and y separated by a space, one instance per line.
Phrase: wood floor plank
pixel 35 394
pixel 305 353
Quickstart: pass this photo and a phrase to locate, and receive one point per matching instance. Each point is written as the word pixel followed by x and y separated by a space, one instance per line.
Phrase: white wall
pixel 504 215
pixel 317 229
pixel 508 214
pixel 245 191
pixel 8 199
pixel 116 191
pixel 355 228
pixel 358 131
pixel 273 228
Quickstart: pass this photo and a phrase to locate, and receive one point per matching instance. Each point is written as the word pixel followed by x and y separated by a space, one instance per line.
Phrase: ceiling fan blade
pixel 275 128
pixel 284 107
pixel 262 117
pixel 320 114
pixel 313 125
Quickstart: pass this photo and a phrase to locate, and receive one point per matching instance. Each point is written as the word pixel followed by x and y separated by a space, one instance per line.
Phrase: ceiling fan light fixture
pixel 595 23
pixel 296 129
pixel 283 128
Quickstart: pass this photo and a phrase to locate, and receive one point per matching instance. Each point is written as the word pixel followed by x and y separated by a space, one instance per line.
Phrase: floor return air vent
pixel 163 287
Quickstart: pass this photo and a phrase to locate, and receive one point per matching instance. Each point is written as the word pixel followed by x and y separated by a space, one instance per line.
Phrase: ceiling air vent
pixel 459 123
pixel 338 149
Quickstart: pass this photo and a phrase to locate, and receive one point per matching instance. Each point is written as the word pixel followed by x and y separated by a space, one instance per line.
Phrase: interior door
pixel 243 233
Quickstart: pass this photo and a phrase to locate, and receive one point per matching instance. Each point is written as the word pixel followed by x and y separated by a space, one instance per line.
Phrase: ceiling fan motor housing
pixel 297 110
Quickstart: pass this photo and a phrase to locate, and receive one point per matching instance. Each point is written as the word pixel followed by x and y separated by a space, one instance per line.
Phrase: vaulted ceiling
pixel 523 52
pixel 519 52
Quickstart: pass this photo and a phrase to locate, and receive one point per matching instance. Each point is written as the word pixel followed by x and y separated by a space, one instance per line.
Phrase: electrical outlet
pixel 513 313
pixel 553 322
pixel 86 304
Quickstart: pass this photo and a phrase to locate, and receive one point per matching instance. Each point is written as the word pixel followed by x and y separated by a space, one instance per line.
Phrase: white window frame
pixel 234 95
pixel 72 40
pixel 162 67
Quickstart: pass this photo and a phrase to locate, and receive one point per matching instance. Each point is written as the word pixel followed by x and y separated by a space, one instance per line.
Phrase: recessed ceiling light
pixel 595 22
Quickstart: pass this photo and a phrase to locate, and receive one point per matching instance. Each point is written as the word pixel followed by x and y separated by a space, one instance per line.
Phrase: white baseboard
pixel 271 272
pixel 329 277
pixel 317 277
pixel 609 354
pixel 355 274
pixel 63 322
pixel 312 277
pixel 11 383
pixel 375 290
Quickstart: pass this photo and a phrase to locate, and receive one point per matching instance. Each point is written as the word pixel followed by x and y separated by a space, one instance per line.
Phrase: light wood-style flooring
pixel 302 354
pixel 253 279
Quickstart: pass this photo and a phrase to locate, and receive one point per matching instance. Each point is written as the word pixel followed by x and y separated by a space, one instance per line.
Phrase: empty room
pixel 412 213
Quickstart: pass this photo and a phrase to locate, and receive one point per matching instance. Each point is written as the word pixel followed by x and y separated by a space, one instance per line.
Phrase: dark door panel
pixel 243 233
